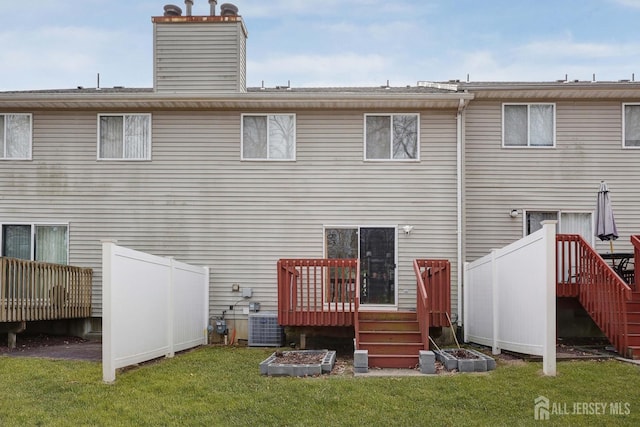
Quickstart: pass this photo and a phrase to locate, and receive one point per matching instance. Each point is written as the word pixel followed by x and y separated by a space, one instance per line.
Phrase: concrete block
pixel 361 361
pixel 427 360
pixel 466 365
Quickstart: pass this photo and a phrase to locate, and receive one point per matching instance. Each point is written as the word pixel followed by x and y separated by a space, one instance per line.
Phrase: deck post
pixel 12 332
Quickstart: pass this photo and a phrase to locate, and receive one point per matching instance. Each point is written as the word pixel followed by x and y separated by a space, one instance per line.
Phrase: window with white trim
pixel 124 136
pixel 568 222
pixel 15 136
pixel 39 242
pixel 268 137
pixel 631 120
pixel 528 125
pixel 392 137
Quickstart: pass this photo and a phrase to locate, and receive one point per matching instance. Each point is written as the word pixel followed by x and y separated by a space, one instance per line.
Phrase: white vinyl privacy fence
pixel 510 298
pixel 152 307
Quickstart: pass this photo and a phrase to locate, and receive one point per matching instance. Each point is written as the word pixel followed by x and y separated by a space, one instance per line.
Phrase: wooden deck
pixel 31 291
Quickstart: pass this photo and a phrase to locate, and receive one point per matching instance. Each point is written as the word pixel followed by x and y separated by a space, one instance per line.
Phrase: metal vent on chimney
pixel 188 4
pixel 172 10
pixel 228 9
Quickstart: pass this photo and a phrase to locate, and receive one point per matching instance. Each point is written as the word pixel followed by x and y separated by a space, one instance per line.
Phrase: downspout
pixel 459 189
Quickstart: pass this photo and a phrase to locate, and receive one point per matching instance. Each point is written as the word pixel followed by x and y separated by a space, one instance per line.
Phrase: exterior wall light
pixel 514 213
pixel 407 229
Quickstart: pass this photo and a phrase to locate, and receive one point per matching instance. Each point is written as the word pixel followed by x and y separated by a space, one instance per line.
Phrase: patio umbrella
pixel 605 222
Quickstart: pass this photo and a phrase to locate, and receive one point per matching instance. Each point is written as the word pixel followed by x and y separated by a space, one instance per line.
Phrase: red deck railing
pixel 635 241
pixel 433 294
pixel 582 273
pixel 31 290
pixel 318 292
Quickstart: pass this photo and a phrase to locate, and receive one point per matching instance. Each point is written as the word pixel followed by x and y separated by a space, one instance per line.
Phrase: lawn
pixel 222 386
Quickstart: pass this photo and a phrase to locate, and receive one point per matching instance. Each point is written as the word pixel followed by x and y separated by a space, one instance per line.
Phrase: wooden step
pixel 633 317
pixel 379 348
pixel 633 340
pixel 389 325
pixel 633 327
pixel 394 336
pixel 387 315
pixel 407 361
pixel 633 306
pixel 635 296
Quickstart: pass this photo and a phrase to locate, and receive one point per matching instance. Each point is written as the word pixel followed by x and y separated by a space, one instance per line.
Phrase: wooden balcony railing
pixel 433 294
pixel 318 292
pixel 582 273
pixel 31 290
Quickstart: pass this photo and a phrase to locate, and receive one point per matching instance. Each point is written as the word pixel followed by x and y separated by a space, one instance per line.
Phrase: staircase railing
pixel 318 292
pixel 635 241
pixel 433 294
pixel 582 273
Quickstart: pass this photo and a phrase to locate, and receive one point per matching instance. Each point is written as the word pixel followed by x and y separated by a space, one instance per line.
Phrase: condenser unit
pixel 264 330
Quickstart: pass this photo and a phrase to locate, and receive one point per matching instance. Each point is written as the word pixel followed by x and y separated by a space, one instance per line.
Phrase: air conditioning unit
pixel 264 330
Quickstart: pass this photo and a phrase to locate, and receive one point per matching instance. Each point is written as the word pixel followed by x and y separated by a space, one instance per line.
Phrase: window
pixel 528 125
pixel 631 120
pixel 268 137
pixel 124 136
pixel 15 136
pixel 568 222
pixel 39 242
pixel 391 137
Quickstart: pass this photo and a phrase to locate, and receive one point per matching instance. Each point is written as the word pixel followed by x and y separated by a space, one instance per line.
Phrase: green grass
pixel 222 386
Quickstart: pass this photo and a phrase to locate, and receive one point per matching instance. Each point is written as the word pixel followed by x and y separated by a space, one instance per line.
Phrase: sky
pixel 60 44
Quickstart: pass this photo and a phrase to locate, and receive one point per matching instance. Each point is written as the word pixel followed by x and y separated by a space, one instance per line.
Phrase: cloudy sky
pixel 53 44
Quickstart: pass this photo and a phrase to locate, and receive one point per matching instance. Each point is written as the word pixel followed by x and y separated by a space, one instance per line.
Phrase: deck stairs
pixel 392 339
pixel 633 326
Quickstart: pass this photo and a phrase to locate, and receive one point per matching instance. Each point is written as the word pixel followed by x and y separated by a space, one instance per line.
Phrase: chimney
pixel 172 10
pixel 199 54
pixel 228 9
pixel 188 4
pixel 212 5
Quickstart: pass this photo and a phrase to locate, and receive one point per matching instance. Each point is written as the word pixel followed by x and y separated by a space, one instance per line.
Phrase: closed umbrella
pixel 605 222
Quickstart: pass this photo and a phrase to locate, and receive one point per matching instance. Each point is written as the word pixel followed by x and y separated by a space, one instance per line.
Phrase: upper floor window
pixel 631 121
pixel 124 136
pixel 392 137
pixel 528 125
pixel 15 136
pixel 39 242
pixel 268 137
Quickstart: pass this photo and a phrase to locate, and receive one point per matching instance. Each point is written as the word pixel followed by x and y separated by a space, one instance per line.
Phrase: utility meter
pixel 221 326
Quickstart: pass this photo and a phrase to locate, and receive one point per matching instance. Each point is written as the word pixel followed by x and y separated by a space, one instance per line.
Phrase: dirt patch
pixel 298 357
pixel 461 353
pixel 26 342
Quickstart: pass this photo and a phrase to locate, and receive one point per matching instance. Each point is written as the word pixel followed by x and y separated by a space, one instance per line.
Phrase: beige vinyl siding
pixel 198 202
pixel 199 57
pixel 565 178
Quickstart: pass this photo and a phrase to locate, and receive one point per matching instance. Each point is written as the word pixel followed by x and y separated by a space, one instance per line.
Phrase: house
pixel 211 172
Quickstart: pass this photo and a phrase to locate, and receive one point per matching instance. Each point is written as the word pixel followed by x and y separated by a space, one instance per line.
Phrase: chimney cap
pixel 172 10
pixel 228 9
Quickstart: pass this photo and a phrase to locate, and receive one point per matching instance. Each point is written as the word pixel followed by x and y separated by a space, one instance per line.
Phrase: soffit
pixel 247 101
pixel 555 91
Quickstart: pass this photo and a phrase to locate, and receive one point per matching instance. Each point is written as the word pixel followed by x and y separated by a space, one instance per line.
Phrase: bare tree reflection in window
pixel 254 137
pixel 378 137
pixel 281 137
pixel 405 137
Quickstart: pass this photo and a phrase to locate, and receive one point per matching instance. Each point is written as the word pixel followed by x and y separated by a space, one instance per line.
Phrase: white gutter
pixel 459 188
